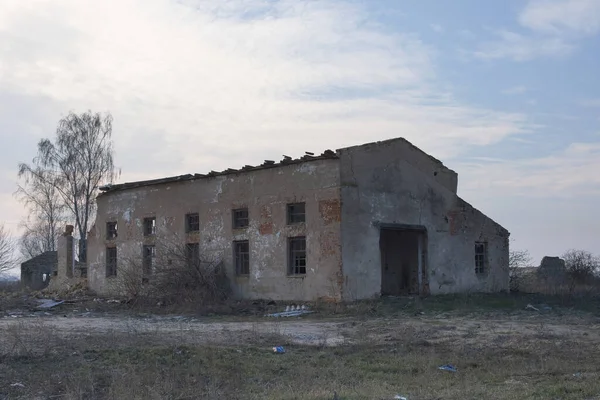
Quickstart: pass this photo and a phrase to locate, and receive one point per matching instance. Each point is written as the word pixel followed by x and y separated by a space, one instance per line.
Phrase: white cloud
pixel 523 47
pixel 567 174
pixel 558 16
pixel 213 82
pixel 592 103
pixel 437 28
pixel 515 90
pixel 554 27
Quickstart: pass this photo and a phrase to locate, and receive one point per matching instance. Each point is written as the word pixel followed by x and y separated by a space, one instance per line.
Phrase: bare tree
pixel 517 259
pixel 7 246
pixel 75 164
pixel 581 265
pixel 47 210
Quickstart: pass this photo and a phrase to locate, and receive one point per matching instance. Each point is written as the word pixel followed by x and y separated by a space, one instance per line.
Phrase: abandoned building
pixel 382 218
pixel 36 272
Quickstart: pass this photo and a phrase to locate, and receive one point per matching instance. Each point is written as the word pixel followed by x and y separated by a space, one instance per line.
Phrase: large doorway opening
pixel 403 260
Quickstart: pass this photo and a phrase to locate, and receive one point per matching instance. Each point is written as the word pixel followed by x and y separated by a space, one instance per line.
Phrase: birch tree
pixel 76 163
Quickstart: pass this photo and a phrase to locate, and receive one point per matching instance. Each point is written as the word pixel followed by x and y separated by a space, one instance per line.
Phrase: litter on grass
pixel 448 367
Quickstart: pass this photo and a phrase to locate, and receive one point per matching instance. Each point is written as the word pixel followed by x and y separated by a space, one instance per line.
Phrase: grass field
pixel 381 349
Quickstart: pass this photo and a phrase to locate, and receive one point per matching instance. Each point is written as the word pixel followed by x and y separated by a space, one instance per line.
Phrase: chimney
pixel 65 253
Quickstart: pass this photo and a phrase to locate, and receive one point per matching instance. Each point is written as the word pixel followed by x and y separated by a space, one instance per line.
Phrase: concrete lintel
pixel 407 227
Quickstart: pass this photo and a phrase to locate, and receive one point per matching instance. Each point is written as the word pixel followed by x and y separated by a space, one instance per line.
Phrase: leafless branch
pixel 74 165
pixel 7 247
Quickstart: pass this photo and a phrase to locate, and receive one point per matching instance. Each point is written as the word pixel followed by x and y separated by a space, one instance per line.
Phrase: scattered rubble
pixel 49 303
pixel 291 311
pixel 17 384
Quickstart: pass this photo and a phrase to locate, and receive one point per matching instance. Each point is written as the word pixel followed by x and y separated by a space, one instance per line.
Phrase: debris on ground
pixel 278 350
pixel 448 367
pixel 398 397
pixel 531 308
pixel 18 384
pixel 291 311
pixel 48 303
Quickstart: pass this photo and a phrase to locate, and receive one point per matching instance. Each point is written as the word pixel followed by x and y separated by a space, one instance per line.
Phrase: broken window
pixel 111 261
pixel 240 218
pixel 295 213
pixel 192 254
pixel 297 255
pixel 241 251
pixel 149 226
pixel 111 230
pixel 480 257
pixel 149 253
pixel 192 223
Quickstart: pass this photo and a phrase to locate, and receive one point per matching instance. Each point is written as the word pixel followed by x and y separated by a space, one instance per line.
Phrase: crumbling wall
pixel 36 272
pixel 394 183
pixel 67 275
pixel 265 193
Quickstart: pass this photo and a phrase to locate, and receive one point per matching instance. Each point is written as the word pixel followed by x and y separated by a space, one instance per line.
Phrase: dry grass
pixel 507 354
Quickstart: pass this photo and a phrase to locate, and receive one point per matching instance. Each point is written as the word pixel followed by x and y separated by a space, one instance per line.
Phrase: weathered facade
pixel 382 218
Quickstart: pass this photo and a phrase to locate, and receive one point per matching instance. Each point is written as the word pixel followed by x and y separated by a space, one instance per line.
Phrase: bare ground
pixel 338 331
pixel 374 352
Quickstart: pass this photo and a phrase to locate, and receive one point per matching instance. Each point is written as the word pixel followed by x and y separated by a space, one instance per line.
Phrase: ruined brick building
pixel 37 271
pixel 378 219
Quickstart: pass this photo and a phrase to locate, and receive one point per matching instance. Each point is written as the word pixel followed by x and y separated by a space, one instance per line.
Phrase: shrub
pixel 517 259
pixel 582 267
pixel 176 277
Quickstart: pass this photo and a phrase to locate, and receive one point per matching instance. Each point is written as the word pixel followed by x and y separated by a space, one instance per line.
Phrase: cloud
pixel 553 30
pixel 522 47
pixel 567 174
pixel 592 103
pixel 203 85
pixel 559 16
pixel 515 90
pixel 437 28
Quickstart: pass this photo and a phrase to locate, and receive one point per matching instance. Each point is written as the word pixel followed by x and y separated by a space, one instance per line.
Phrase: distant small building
pixel 36 272
pixel 553 269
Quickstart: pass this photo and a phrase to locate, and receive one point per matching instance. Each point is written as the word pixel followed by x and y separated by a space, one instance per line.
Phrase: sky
pixel 505 93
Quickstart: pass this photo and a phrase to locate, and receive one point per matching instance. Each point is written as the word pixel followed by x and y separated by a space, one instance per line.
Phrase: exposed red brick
pixel 330 244
pixel 330 210
pixel 266 213
pixel 266 228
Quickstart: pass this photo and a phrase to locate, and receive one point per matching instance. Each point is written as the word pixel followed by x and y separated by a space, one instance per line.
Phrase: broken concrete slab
pixel 49 303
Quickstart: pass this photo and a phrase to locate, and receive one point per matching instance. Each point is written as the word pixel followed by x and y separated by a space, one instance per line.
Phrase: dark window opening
pixel 149 253
pixel 297 255
pixel 241 251
pixel 111 261
pixel 296 213
pixel 240 218
pixel 111 230
pixel 192 254
pixel 192 222
pixel 480 257
pixel 150 226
